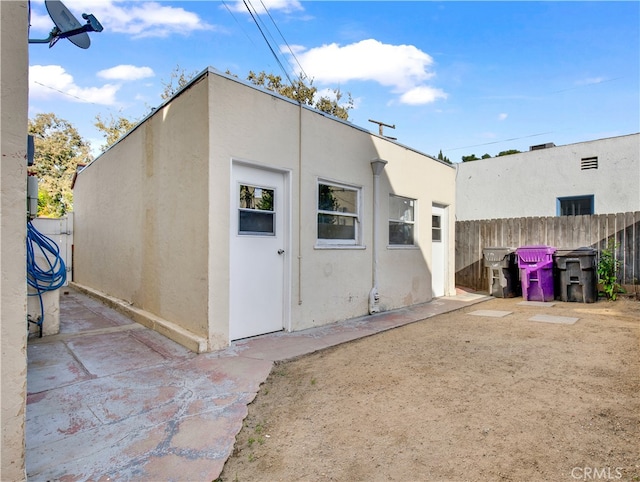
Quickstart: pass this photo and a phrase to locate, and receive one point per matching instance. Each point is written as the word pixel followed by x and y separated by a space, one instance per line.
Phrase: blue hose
pixel 54 274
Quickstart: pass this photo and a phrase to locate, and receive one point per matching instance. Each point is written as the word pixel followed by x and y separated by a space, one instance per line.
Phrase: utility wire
pixel 267 41
pixel 64 93
pixel 239 24
pixel 285 41
pixel 498 142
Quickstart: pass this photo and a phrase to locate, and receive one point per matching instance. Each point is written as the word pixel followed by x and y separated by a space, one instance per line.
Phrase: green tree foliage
pixel 509 152
pixel 473 157
pixel 180 77
pixel 443 158
pixel 59 149
pixel 113 129
pixel 305 93
pixel 608 267
pixel 470 158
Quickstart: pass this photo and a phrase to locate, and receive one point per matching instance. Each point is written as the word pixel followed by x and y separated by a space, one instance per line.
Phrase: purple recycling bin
pixel 536 272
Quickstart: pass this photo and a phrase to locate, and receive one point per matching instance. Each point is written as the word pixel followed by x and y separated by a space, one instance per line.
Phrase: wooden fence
pixel 562 232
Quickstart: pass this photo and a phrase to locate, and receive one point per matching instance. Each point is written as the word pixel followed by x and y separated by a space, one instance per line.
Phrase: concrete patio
pixel 111 400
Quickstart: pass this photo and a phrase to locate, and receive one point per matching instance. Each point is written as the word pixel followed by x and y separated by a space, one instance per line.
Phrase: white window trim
pixel 356 243
pixel 414 223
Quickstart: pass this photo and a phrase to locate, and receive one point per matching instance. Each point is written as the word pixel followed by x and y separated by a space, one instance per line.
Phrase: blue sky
pixel 461 77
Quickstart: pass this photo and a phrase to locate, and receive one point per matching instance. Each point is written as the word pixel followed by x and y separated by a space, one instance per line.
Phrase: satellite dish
pixel 65 21
pixel 66 26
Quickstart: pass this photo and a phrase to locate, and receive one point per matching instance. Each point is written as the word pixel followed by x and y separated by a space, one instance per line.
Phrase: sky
pixel 458 77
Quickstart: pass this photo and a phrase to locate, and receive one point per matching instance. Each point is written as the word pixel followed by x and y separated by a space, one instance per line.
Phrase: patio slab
pixel 491 313
pixel 540 304
pixel 109 399
pixel 566 320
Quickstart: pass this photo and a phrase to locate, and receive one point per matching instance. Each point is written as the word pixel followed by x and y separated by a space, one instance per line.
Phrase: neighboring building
pixel 14 88
pixel 232 212
pixel 594 177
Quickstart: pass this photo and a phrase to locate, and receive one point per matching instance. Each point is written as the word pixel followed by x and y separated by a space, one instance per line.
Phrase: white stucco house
pixel 14 89
pixel 594 177
pixel 231 211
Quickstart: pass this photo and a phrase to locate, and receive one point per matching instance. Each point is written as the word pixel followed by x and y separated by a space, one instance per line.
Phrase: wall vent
pixel 589 163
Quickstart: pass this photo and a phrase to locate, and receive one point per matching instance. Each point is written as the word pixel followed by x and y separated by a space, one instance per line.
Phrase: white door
pixel 439 250
pixel 257 252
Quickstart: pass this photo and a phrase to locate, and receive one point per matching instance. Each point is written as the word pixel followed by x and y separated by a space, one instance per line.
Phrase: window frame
pixel 436 228
pixel 412 223
pixel 272 212
pixel 356 242
pixel 589 197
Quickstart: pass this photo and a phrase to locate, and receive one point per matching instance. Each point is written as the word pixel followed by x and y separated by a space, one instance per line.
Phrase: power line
pixel 266 40
pixel 285 41
pixel 84 101
pixel 239 24
pixel 498 142
pixel 64 93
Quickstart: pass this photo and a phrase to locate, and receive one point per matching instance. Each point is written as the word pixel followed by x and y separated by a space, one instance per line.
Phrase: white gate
pixel 59 230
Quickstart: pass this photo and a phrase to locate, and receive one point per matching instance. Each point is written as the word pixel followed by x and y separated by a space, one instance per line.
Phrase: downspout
pixel 377 166
pixel 300 204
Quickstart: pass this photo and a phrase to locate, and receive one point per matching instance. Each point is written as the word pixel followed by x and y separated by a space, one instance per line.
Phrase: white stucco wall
pixel 152 214
pixel 13 285
pixel 267 130
pixel 529 183
pixel 140 216
pixel 409 174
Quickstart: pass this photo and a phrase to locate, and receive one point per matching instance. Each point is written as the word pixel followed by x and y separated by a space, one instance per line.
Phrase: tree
pixel 443 158
pixel 59 149
pixel 305 93
pixel 113 129
pixel 470 158
pixel 509 152
pixel 486 156
pixel 180 77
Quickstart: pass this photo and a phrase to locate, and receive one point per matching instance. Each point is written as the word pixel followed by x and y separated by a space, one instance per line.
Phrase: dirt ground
pixel 457 397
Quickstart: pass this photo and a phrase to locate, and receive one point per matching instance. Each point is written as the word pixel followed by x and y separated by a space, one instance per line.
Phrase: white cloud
pixel 139 19
pixel 422 95
pixel 404 68
pixel 286 6
pixel 502 116
pixel 590 81
pixel 52 81
pixel 126 72
pixel 40 21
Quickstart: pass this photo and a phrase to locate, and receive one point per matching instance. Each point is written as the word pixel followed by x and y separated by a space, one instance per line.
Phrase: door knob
pixel 281 251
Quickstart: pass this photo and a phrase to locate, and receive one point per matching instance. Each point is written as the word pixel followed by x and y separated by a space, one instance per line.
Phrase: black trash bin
pixel 577 274
pixel 502 270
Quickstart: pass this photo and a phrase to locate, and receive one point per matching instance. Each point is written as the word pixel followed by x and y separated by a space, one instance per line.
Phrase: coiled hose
pixel 49 277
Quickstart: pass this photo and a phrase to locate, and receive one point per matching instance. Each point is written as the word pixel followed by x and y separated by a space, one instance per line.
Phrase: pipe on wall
pixel 377 166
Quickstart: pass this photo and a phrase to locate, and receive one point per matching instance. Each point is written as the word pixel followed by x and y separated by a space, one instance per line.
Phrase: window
pixel 575 206
pixel 436 228
pixel 256 212
pixel 338 214
pixel 401 221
